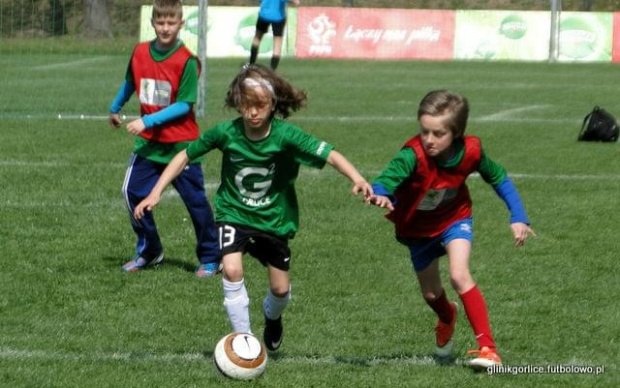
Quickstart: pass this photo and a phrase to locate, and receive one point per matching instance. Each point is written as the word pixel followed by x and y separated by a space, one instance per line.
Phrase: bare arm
pixel 340 163
pixel 174 168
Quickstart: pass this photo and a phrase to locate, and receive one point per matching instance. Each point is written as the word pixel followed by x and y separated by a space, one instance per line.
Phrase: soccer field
pixel 70 318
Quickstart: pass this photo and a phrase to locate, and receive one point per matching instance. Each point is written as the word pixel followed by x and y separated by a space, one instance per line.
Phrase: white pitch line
pixel 62 116
pixel 557 177
pixel 21 163
pixel 369 361
pixel 567 177
pixel 15 354
pixel 54 163
pixel 508 114
pixel 62 65
pixel 212 185
pixel 500 117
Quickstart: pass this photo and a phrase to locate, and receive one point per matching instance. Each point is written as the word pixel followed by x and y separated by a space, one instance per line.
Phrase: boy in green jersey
pixel 164 74
pixel 256 205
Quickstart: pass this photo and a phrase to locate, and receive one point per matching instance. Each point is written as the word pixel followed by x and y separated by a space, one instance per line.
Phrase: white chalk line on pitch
pixel 503 116
pixel 169 193
pixel 508 114
pixel 210 187
pixel 15 354
pixel 63 65
pixel 315 173
pixel 558 177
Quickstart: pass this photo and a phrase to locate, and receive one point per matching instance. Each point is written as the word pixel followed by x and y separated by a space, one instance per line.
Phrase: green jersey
pixel 257 187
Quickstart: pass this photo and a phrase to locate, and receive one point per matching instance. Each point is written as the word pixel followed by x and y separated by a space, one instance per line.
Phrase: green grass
pixel 70 318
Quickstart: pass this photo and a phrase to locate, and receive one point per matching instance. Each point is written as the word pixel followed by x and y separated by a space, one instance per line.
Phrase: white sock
pixel 237 302
pixel 274 305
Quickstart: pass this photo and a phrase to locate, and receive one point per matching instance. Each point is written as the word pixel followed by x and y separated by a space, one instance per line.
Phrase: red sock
pixel 478 316
pixel 441 307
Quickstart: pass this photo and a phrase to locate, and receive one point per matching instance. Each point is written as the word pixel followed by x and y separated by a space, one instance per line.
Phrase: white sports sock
pixel 274 305
pixel 237 302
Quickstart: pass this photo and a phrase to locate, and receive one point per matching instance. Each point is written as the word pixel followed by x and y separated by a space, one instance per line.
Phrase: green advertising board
pixel 525 36
pixel 585 36
pixel 502 35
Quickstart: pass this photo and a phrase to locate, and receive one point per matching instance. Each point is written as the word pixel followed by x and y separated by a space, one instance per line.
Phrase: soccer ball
pixel 240 356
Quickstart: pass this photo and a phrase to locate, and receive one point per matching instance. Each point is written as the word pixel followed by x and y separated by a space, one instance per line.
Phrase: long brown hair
pixel 287 98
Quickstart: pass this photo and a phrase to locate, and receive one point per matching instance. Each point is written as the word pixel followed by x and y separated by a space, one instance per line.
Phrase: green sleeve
pixel 492 172
pixel 207 141
pixel 309 150
pixel 129 73
pixel 188 88
pixel 397 170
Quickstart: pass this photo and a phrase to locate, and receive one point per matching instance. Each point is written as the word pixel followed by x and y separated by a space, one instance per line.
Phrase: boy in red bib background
pixel 164 74
pixel 424 187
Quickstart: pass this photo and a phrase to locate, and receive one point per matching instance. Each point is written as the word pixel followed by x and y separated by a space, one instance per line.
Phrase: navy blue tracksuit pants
pixel 140 178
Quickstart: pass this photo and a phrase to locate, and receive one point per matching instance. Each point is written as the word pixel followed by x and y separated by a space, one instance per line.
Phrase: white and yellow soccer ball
pixel 240 356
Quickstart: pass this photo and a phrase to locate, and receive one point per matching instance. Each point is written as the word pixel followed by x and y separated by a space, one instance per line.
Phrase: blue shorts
pixel 425 250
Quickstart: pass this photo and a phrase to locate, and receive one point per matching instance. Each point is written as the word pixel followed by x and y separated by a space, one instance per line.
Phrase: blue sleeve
pixel 509 194
pixel 122 97
pixel 174 111
pixel 379 189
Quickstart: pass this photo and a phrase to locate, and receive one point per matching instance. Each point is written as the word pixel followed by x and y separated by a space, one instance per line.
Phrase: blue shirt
pixel 273 10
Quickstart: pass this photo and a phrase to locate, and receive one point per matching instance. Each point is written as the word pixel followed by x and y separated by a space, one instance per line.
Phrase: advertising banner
pixel 502 35
pixel 586 36
pixel 616 37
pixel 230 31
pixel 365 33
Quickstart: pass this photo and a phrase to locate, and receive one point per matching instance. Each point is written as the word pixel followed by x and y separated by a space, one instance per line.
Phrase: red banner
pixel 615 53
pixel 374 33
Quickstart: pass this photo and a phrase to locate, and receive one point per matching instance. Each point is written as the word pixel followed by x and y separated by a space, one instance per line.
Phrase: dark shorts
pixel 424 250
pixel 266 247
pixel 277 27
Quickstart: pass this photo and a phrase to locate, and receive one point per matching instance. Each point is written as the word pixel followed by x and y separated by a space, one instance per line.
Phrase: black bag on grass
pixel 599 125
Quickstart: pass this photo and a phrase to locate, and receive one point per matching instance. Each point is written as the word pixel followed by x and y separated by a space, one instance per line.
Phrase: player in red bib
pixel 424 187
pixel 164 75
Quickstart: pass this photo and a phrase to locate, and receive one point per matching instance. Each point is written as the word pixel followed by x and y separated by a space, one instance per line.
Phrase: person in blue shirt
pixel 272 12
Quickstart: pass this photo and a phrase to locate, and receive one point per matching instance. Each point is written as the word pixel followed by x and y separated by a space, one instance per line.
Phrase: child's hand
pixel 136 126
pixel 364 188
pixel 115 120
pixel 147 204
pixel 382 201
pixel 520 231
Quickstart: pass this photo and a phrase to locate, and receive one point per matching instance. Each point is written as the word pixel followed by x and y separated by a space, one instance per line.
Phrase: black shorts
pixel 277 27
pixel 266 247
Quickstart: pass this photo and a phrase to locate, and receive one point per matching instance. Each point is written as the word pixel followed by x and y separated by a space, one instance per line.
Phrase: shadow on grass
pixel 167 262
pixel 368 361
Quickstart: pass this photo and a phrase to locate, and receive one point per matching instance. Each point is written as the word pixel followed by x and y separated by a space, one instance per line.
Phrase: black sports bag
pixel 599 125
